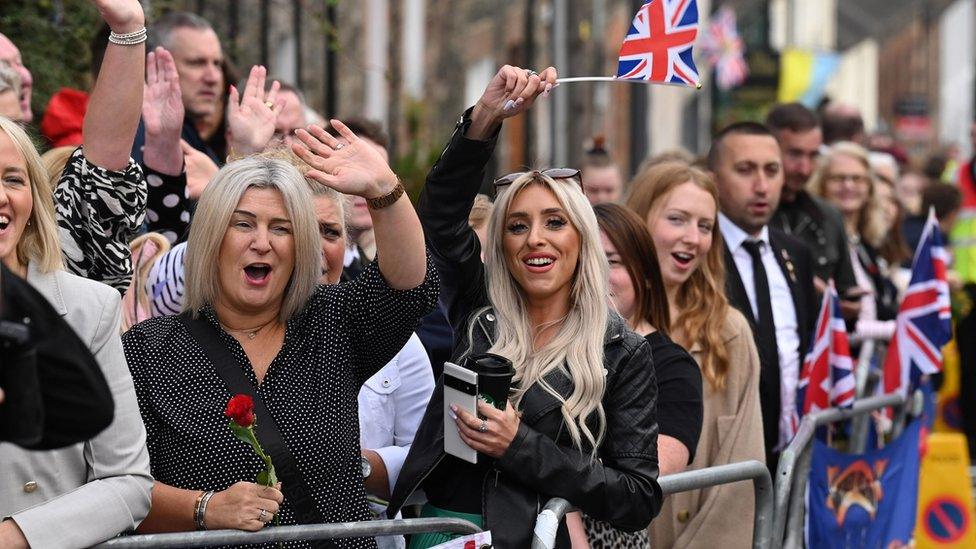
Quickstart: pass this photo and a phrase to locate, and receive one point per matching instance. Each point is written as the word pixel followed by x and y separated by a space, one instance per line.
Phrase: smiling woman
pixel 80 495
pixel 679 205
pixel 580 423
pixel 253 261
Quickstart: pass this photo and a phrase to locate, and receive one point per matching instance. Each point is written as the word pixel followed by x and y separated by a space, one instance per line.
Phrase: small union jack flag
pixel 658 45
pixel 725 50
pixel 924 322
pixel 827 377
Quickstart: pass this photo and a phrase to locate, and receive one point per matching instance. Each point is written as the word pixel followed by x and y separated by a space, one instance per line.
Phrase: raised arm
pixel 115 104
pixel 355 167
pixel 251 117
pixel 162 114
pixel 456 177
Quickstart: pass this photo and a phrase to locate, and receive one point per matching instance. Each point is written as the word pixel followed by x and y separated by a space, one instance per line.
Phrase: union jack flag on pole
pixel 923 324
pixel 658 45
pixel 827 377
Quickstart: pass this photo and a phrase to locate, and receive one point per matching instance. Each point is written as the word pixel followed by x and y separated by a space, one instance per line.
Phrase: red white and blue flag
pixel 923 324
pixel 725 50
pixel 658 45
pixel 827 377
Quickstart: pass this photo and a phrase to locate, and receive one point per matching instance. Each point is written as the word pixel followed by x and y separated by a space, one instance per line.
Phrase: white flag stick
pixel 615 79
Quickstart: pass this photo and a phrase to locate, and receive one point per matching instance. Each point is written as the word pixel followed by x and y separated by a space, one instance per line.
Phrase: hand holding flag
pixel 658 46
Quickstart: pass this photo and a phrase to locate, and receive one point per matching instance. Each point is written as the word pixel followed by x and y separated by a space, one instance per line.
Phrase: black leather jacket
pixel 621 486
pixel 821 227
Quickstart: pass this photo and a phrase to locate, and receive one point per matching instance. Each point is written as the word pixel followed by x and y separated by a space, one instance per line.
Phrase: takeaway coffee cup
pixel 494 377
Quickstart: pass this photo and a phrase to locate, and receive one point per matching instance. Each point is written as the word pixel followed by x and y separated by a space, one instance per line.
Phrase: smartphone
pixel 461 390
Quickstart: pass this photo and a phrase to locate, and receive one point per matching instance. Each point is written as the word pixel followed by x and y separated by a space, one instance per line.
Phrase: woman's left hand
pixel 122 16
pixel 349 165
pixel 501 428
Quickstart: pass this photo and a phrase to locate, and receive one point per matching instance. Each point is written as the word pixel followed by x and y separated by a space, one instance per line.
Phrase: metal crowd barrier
pixel 683 482
pixel 364 528
pixel 791 474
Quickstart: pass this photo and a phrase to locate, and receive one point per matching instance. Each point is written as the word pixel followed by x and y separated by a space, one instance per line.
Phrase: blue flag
pixel 864 501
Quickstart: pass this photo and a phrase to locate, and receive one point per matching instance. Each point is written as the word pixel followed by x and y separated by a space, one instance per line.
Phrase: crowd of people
pixel 201 235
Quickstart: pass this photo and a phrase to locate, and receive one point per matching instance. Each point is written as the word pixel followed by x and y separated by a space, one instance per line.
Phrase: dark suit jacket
pixel 796 262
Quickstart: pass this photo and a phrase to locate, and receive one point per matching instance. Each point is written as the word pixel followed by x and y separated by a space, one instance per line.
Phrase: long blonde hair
pixel 701 302
pixel 39 243
pixel 577 348
pixel 870 220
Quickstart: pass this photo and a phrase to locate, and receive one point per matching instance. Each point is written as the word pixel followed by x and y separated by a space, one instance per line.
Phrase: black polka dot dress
pixel 168 209
pixel 345 334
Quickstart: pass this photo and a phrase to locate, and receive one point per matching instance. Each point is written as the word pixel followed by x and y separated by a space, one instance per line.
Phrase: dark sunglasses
pixel 553 173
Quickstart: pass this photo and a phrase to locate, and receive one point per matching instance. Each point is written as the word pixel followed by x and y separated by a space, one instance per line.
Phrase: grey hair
pixel 577 348
pixel 9 79
pixel 882 159
pixel 212 217
pixel 162 29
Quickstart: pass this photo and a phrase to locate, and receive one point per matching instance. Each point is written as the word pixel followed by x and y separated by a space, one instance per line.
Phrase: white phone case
pixel 460 389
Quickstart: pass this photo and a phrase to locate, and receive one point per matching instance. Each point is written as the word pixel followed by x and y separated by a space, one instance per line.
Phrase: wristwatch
pixel 367 468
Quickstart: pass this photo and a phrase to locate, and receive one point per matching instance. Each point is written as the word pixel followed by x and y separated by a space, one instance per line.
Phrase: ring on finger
pixel 269 104
pixel 338 146
pixel 530 72
pixel 483 428
pixel 262 515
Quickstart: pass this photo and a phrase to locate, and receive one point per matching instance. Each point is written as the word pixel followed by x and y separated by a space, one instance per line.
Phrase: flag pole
pixel 615 79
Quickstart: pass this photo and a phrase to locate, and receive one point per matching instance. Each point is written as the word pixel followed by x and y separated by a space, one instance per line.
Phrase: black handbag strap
pixel 292 482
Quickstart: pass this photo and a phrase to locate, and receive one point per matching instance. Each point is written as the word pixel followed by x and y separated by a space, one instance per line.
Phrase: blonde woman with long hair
pixel 580 423
pixel 680 206
pixel 845 179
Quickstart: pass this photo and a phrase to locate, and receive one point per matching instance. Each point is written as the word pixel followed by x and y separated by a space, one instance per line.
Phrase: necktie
pixel 769 378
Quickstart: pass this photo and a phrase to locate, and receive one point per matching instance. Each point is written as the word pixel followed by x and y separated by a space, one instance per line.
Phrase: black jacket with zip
pixel 620 487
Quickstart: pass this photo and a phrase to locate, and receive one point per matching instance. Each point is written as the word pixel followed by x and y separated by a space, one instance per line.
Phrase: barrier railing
pixel 557 508
pixel 791 474
pixel 293 533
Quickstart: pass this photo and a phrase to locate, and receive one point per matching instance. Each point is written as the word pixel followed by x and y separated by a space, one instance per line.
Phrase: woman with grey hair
pixel 253 260
pixel 581 422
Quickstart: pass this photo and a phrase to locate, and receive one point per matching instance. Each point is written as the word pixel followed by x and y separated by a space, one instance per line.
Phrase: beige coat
pixel 89 492
pixel 731 431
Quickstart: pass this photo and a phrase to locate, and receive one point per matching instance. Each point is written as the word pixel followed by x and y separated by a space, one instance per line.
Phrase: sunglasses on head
pixel 553 173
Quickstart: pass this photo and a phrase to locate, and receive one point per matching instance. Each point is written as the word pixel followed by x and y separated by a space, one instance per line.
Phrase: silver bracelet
pixel 129 38
pixel 202 510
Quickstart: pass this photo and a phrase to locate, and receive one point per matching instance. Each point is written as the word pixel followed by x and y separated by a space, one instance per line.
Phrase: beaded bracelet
pixel 129 38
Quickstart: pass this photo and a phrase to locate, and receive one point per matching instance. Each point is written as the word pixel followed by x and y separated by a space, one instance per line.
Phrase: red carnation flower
pixel 240 409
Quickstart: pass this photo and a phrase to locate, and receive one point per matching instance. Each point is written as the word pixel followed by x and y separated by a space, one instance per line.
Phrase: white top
pixel 784 315
pixel 352 253
pixel 391 405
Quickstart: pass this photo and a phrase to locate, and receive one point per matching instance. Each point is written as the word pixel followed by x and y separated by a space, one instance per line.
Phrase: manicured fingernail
pixel 508 105
pixel 453 416
pixel 547 90
pixel 519 101
pixel 454 407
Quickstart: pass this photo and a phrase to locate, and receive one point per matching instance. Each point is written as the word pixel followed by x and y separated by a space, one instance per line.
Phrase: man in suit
pixel 769 273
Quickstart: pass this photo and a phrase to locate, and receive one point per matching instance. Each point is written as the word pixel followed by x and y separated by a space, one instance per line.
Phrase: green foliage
pixel 412 167
pixel 53 37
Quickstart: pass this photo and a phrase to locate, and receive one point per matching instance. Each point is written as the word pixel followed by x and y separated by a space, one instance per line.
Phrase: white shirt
pixel 351 255
pixel 784 315
pixel 391 405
